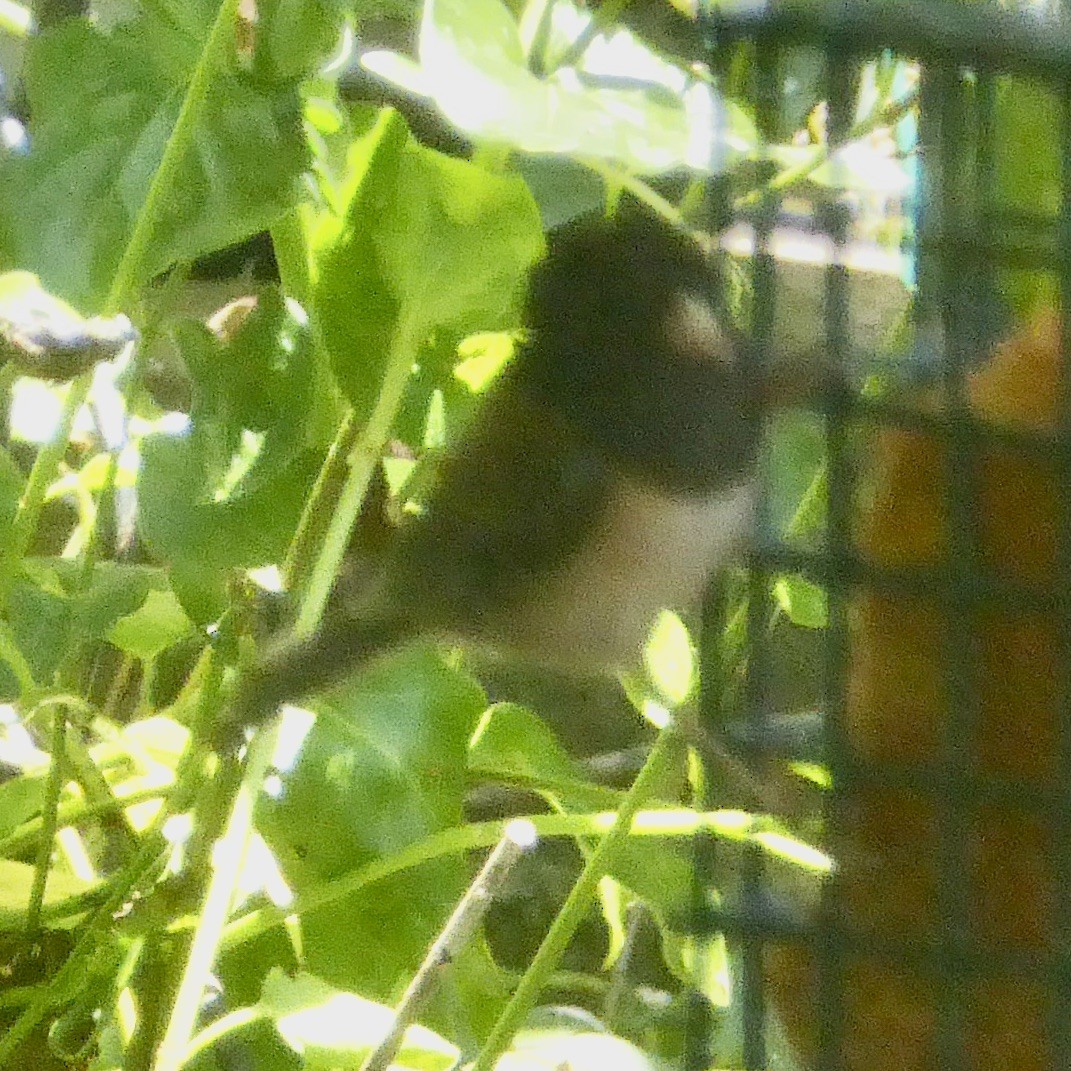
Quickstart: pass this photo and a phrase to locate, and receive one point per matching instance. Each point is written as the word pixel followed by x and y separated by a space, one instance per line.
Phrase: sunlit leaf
pixel 330 1029
pixel 157 624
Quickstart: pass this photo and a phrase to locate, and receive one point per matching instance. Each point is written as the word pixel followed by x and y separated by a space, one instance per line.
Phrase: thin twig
pixel 519 837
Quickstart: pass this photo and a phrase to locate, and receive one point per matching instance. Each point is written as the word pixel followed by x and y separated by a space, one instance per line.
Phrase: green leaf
pixel 382 767
pixel 114 591
pixel 511 742
pixel 1028 166
pixel 16 881
pixel 483 356
pixel 473 64
pixel 426 241
pixel 20 799
pixel 670 659
pixel 67 209
pixel 41 623
pixel 156 625
pixel 228 493
pixel 804 603
pixel 201 537
pixel 331 1029
pixel 797 503
pixel 293 37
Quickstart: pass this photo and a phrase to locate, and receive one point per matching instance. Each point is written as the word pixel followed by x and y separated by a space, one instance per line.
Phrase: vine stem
pixel 229 859
pixel 133 266
pixel 70 979
pixel 363 459
pixel 51 807
pixel 660 822
pixel 44 470
pixel 583 893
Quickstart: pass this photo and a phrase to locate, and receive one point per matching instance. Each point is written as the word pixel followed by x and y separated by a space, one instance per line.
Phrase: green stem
pixel 577 904
pixel 44 470
pixel 138 873
pixel 230 858
pixel 68 814
pixel 639 189
pixel 891 113
pixel 661 822
pixel 604 16
pixel 134 266
pixel 362 460
pixel 320 504
pixel 69 981
pixel 51 807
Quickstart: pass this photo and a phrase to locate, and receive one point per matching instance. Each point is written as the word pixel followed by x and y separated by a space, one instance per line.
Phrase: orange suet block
pixel 887 839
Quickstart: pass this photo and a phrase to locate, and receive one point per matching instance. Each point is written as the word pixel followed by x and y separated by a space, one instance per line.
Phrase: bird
pixel 609 471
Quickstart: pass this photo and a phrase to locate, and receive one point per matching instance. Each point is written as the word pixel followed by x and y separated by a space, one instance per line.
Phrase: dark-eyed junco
pixel 608 472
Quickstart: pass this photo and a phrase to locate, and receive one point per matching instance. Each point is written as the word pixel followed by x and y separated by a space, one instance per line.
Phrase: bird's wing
pixel 512 503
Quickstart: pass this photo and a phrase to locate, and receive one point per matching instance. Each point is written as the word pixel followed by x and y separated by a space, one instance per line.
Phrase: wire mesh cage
pixel 939 938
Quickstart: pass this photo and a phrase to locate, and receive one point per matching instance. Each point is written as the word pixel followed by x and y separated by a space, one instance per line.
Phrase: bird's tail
pixel 294 669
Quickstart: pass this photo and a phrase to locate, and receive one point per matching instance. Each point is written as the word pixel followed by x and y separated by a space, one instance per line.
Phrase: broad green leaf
pixel 563 188
pixel 293 37
pixel 228 493
pixel 803 602
pixel 331 1029
pixel 202 538
pixel 104 107
pixel 473 64
pixel 382 768
pixel 114 591
pixel 155 625
pixel 41 622
pixel 253 388
pixel 427 241
pixel 511 741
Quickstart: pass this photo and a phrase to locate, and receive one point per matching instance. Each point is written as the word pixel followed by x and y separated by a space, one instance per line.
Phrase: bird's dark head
pixel 627 337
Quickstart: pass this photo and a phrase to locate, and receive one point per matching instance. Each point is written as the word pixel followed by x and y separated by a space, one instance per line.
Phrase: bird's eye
pixel 694 331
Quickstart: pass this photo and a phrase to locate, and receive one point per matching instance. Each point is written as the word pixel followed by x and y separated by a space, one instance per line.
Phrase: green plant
pixel 137 499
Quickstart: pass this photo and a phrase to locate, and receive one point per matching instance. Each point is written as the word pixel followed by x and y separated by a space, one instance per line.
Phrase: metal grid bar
pixel 954 198
pixel 984 36
pixel 967 227
pixel 764 313
pixel 830 952
pixel 1059 1025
